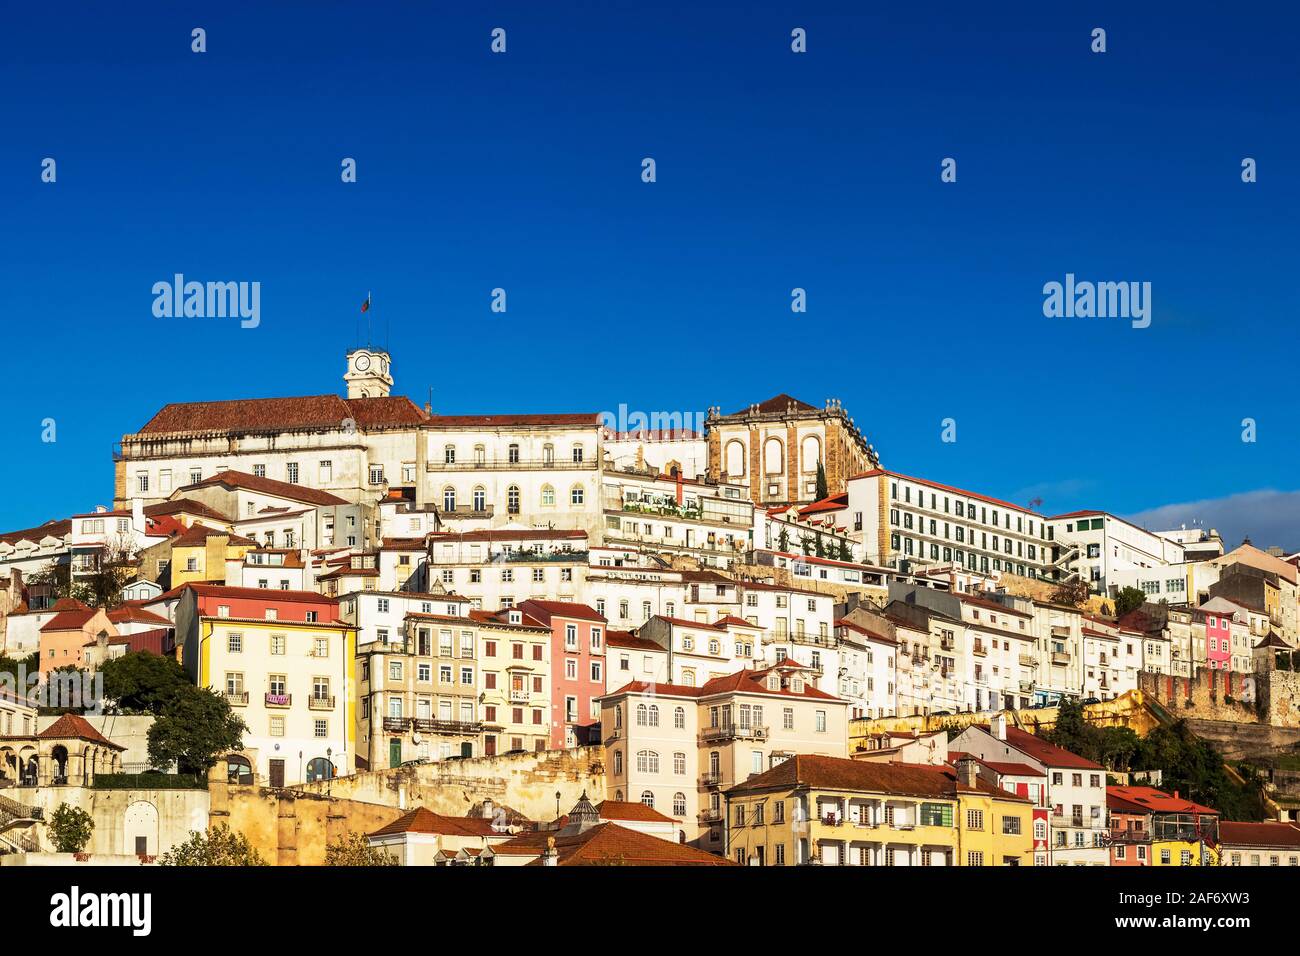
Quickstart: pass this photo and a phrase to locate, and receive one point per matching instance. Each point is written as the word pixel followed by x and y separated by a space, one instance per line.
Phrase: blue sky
pixel 775 171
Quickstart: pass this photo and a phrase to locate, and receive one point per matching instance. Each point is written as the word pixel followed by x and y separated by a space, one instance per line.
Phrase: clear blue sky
pixel 775 170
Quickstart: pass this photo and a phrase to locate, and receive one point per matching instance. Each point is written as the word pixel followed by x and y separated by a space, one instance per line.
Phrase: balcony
pixel 733 732
pixel 320 702
pixel 1028 660
pixel 980 649
pixel 1026 687
pixel 449 728
pixel 278 700
pixel 711 815
pixel 237 699
pixel 519 697
pixel 711 780
pixel 519 464
pixel 1060 658
pixel 396 725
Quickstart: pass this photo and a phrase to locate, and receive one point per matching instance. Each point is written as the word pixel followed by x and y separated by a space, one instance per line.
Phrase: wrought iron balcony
pixel 279 700
pixel 396 725
pixel 237 699
pixel 320 702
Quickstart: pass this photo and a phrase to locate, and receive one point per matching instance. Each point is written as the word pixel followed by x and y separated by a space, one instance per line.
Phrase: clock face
pixel 363 362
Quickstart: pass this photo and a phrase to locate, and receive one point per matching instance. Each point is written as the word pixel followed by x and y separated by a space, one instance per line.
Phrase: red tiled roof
pixel 132 612
pixel 839 773
pixel 198 535
pixel 509 534
pixel 877 472
pixel 1261 835
pixel 260 414
pixel 1049 755
pixel 69 618
pixel 778 403
pixel 256 594
pixel 76 726
pixel 743 682
pixel 628 639
pixel 269 486
pixel 1149 799
pixel 183 506
pixel 57 529
pixel 423 820
pixel 609 843
pixel 545 610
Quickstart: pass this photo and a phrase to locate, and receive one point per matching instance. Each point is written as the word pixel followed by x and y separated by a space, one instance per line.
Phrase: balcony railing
pixel 711 779
pixel 237 699
pixel 519 696
pixel 1028 660
pixel 320 702
pixel 454 728
pixel 396 725
pixel 710 815
pixel 734 732
pixel 279 700
pixel 980 650
pixel 1061 657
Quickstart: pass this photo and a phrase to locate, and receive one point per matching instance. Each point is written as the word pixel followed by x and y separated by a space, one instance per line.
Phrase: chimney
pixel 968 771
pixel 998 726
pixel 487 809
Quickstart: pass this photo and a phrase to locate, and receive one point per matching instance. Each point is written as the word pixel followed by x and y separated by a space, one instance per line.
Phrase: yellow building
pixel 201 553
pixel 838 812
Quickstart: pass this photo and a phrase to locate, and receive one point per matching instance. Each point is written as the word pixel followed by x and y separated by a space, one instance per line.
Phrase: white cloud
pixel 1267 517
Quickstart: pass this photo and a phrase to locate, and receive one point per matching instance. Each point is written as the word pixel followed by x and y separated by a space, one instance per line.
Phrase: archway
pixel 59 758
pixel 140 829
pixel 320 769
pixel 239 770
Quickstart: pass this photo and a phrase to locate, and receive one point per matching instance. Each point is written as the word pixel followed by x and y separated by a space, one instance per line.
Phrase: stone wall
pixel 164 817
pixel 288 828
pixel 527 783
pixel 1209 695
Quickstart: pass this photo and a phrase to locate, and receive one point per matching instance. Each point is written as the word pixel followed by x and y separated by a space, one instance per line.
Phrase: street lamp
pixel 329 771
pixel 557 806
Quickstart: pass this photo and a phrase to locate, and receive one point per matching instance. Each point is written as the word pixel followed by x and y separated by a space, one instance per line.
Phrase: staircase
pixel 1066 551
pixel 18 825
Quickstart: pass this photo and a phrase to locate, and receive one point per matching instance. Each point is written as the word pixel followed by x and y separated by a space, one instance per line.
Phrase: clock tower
pixel 368 374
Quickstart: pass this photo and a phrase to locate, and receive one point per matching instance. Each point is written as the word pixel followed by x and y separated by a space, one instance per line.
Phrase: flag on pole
pixel 365 306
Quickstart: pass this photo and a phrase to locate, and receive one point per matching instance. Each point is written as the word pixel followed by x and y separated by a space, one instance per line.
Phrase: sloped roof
pixel 839 773
pixel 608 843
pixel 269 486
pixel 1259 834
pixel 1150 800
pixel 258 414
pixel 423 820
pixel 545 610
pixel 776 404
pixel 1049 755
pixel 624 810
pixel 78 728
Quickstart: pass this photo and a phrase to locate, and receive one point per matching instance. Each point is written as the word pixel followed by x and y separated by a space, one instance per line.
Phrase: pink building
pixel 1218 640
pixel 577 669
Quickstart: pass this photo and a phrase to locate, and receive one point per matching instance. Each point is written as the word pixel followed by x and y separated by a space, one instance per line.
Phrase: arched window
pixel 449 498
pixel 679 764
pixel 548 496
pixel 648 799
pixel 618 796
pixel 811 451
pixel 512 454
pixel 735 459
pixel 512 499
pixel 577 495
pixel 320 769
pixel 480 498
pixel 654 715
pixel 773 456
pixel 480 453
pixel 548 453
pixel 640 715
pixel 679 718
pixel 679 804
pixel 647 761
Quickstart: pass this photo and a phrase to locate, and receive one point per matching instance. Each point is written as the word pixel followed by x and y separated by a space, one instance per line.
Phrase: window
pixel 322 728
pixel 679 718
pixel 647 761
pixel 679 764
pixel 974 819
pixel 679 804
pixel 821 722
pixel 235 643
pixel 291 472
pixel 512 496
pixel 548 496
pixel 577 495
pixel 975 858
pixel 1011 826
pixel 449 499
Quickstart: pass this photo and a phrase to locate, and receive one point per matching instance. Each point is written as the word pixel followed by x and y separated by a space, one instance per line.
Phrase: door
pixel 467 749
pixel 394 752
pixel 490 745
pixel 141 846
pixel 277 773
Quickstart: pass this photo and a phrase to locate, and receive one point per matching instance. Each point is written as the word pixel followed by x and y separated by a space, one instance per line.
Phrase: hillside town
pixel 567 639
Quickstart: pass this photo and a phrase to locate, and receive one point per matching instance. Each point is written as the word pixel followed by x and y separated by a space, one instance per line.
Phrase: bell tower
pixel 369 374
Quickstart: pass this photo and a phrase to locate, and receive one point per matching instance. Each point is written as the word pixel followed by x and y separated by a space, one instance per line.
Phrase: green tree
pixel 822 490
pixel 70 828
pixel 219 846
pixel 195 728
pixel 1129 599
pixel 353 850
pixel 846 553
pixel 783 540
pixel 142 682
pixel 805 543
pixel 819 547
